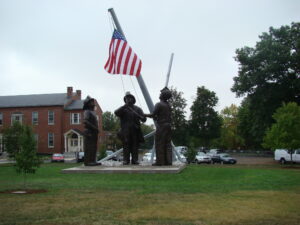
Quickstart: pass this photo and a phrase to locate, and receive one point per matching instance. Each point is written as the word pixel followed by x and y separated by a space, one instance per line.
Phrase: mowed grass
pixel 205 194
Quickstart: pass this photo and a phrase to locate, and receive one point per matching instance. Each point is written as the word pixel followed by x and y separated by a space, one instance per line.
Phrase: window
pixel 50 140
pixel 1 118
pixel 50 117
pixel 35 118
pixel 16 117
pixel 75 118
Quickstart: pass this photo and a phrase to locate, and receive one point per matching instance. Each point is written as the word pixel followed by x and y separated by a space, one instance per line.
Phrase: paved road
pixel 255 160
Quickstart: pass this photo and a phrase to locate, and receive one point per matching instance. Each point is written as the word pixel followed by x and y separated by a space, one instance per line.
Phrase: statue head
pixel 129 98
pixel 165 94
pixel 89 103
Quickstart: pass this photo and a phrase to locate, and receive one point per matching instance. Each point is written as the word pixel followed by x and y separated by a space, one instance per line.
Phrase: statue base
pixel 126 169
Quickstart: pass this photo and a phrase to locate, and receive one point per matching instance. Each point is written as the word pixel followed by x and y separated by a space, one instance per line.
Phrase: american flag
pixel 122 60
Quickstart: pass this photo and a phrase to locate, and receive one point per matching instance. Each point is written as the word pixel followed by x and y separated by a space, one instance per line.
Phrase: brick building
pixel 57 119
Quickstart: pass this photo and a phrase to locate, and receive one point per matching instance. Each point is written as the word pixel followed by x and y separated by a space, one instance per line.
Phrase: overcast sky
pixel 47 45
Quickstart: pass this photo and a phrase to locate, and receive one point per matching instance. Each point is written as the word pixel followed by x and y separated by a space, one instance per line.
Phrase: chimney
pixel 78 93
pixel 69 92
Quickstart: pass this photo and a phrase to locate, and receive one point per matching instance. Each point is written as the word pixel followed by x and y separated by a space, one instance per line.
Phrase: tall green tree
pixel 285 132
pixel 246 126
pixel 110 121
pixel 179 123
pixel 21 146
pixel 230 138
pixel 268 76
pixel 111 124
pixel 12 139
pixel 205 123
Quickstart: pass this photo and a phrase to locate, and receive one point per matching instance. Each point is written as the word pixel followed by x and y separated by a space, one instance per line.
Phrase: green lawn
pixel 205 194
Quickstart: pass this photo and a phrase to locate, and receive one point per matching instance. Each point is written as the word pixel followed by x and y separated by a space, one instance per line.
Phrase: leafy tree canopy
pixel 268 76
pixel 205 122
pixel 110 121
pixel 274 63
pixel 285 132
pixel 179 123
pixel 20 143
pixel 230 139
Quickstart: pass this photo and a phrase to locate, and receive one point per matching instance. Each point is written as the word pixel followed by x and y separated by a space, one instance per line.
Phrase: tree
pixel 110 121
pixel 285 132
pixel 205 122
pixel 111 124
pixel 245 126
pixel 230 139
pixel 12 139
pixel 21 146
pixel 268 76
pixel 179 123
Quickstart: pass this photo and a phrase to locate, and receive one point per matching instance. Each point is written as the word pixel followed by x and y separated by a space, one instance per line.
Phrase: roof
pixel 59 99
pixel 32 100
pixel 77 104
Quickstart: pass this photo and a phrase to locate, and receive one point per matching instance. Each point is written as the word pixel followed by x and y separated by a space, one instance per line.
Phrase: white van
pixel 283 156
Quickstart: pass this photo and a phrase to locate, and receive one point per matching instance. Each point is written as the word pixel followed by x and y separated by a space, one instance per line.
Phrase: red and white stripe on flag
pixel 122 59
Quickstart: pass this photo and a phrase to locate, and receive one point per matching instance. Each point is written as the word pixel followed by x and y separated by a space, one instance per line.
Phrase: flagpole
pixel 169 71
pixel 139 78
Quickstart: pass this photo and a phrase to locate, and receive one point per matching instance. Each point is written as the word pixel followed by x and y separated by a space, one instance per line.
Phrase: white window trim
pixel 50 146
pixel 51 123
pixel 19 114
pixel 37 121
pixel 72 118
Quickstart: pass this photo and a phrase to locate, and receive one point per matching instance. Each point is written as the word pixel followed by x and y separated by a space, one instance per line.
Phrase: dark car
pixel 226 159
pixel 223 158
pixel 216 159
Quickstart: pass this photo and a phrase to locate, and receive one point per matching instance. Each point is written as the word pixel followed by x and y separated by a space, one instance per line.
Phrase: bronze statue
pixel 90 133
pixel 162 116
pixel 130 133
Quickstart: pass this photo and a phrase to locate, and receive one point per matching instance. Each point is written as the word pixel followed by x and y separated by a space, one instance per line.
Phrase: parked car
pixel 213 152
pixel 226 159
pixel 201 157
pixel 147 157
pixel 215 159
pixel 80 157
pixel 57 158
pixel 283 156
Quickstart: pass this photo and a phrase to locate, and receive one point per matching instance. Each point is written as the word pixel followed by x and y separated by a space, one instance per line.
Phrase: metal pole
pixel 139 78
pixel 169 71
